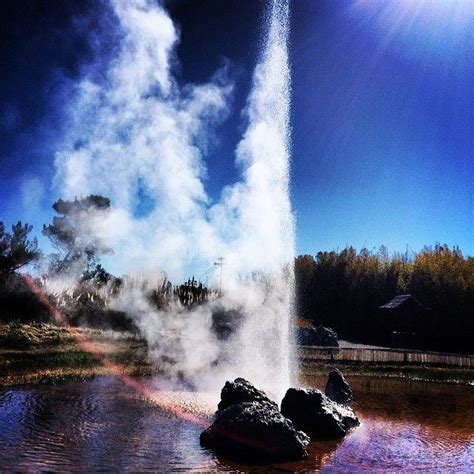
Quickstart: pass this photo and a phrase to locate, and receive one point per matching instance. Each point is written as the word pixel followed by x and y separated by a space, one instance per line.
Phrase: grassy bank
pixel 409 372
pixel 42 352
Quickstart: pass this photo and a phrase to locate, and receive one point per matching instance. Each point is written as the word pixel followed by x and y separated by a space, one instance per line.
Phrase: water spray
pixel 142 127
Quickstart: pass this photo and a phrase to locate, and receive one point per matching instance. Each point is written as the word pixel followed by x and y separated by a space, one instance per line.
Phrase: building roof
pixel 402 300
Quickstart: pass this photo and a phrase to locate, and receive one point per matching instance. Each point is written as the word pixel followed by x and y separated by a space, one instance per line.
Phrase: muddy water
pixel 102 424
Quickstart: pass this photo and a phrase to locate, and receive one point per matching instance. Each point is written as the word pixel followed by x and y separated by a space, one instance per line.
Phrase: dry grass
pixel 463 376
pixel 42 352
pixel 26 336
pixel 30 336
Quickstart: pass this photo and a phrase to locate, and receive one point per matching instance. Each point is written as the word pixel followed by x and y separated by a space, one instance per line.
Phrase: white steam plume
pixel 140 129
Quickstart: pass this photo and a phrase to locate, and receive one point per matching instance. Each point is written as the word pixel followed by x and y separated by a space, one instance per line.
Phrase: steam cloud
pixel 141 130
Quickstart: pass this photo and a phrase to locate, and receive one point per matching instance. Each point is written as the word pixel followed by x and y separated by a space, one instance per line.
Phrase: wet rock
pixel 255 431
pixel 338 389
pixel 239 391
pixel 315 414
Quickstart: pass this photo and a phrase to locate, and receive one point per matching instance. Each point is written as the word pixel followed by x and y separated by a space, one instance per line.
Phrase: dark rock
pixel 338 389
pixel 306 336
pixel 320 336
pixel 239 391
pixel 255 431
pixel 315 414
pixel 326 337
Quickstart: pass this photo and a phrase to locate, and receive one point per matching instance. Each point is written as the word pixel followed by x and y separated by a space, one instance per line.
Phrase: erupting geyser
pixel 266 221
pixel 137 131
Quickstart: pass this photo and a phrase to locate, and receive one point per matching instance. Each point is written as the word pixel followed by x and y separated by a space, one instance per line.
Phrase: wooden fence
pixel 384 355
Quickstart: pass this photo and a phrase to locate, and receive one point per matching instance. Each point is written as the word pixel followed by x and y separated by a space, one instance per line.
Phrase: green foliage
pixel 97 275
pixel 191 292
pixel 72 234
pixel 345 289
pixel 16 249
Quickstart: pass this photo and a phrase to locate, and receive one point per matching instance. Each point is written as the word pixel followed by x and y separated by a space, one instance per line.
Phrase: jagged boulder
pixel 255 431
pixel 338 389
pixel 315 414
pixel 326 337
pixel 320 336
pixel 306 336
pixel 239 391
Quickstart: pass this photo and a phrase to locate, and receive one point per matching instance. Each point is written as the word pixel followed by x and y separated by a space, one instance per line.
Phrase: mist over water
pixel 138 133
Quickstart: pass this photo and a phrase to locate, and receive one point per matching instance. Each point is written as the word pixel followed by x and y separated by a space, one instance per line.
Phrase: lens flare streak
pixel 116 369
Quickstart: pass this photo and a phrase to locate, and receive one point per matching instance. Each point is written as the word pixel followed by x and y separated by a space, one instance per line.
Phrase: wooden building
pixel 400 321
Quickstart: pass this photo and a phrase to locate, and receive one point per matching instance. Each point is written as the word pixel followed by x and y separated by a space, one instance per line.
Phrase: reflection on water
pixel 102 424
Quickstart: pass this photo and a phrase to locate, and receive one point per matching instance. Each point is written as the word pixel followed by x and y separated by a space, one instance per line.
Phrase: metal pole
pixel 220 263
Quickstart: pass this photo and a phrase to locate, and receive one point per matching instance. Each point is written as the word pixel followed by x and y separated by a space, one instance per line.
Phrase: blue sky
pixel 382 109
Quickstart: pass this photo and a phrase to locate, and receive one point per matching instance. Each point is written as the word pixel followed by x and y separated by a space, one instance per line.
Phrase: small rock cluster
pixel 317 336
pixel 248 425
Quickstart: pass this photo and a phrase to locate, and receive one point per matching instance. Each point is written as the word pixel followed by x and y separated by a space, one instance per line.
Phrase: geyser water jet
pixel 138 128
pixel 266 219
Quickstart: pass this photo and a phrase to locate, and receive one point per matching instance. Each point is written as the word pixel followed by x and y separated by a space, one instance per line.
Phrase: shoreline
pixel 413 373
pixel 53 354
pixel 46 353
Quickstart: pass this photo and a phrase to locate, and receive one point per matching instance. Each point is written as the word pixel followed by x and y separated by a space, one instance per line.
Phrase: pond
pixel 103 424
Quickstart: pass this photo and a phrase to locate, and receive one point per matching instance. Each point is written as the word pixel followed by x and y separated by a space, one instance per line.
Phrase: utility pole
pixel 220 263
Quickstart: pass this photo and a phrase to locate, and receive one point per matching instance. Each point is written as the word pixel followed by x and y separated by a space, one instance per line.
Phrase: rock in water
pixel 338 389
pixel 315 414
pixel 239 391
pixel 255 430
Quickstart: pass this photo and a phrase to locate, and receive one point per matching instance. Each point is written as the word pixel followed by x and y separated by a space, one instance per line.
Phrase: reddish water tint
pixel 102 424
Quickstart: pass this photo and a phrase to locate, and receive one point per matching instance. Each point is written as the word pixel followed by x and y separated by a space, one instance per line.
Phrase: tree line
pixel 344 290
pixel 340 289
pixel 76 257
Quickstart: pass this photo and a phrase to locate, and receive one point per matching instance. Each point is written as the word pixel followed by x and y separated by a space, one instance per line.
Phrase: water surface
pixel 102 424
